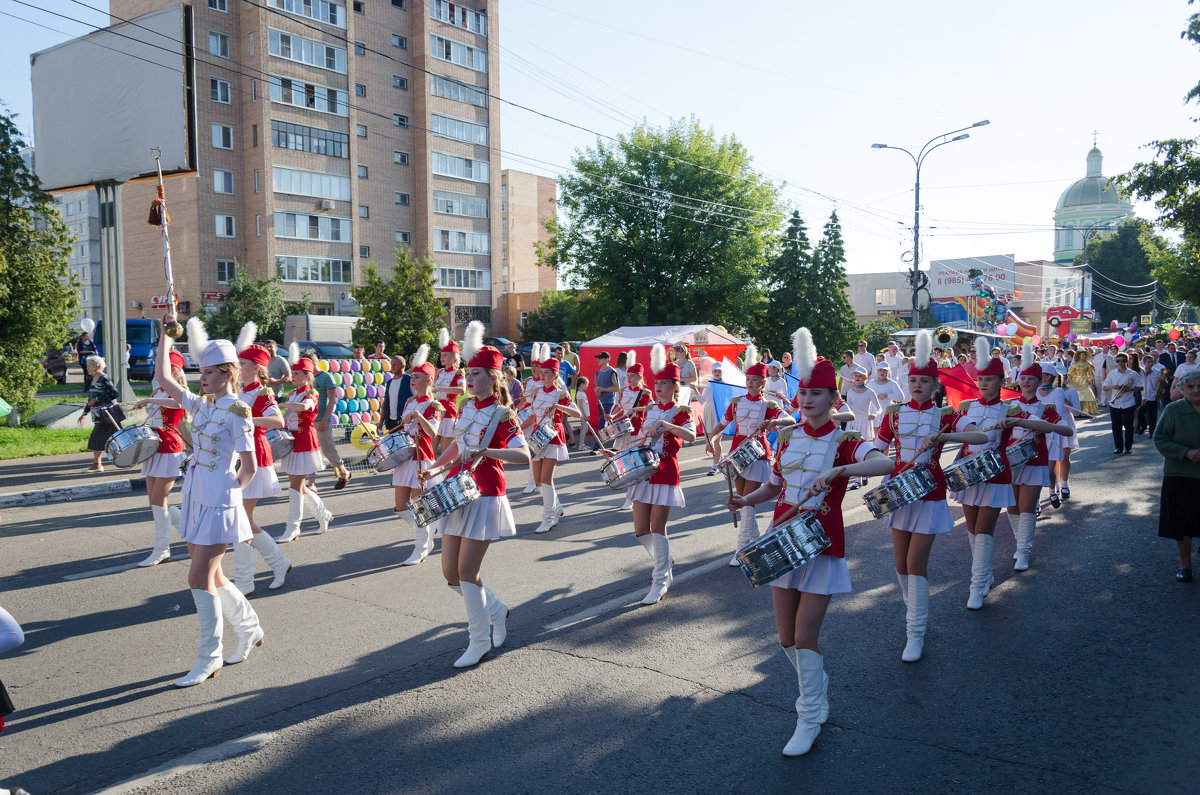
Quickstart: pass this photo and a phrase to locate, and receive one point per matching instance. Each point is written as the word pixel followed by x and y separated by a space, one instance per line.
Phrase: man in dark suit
pixel 398 391
pixel 1171 358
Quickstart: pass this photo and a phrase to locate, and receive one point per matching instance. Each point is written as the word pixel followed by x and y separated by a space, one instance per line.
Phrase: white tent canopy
pixel 637 336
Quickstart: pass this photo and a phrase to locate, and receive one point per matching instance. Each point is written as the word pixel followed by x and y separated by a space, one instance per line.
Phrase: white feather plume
pixel 421 356
pixel 1027 355
pixel 538 353
pixel 658 358
pixel 924 348
pixel 443 338
pixel 473 340
pixel 630 359
pixel 197 337
pixel 293 354
pixel 804 352
pixel 751 355
pixel 983 352
pixel 246 336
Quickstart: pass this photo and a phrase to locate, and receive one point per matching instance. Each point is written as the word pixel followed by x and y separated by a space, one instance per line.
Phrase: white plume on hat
pixel 804 352
pixel 630 359
pixel 1026 355
pixel 535 355
pixel 658 358
pixel 751 355
pixel 293 354
pixel 421 356
pixel 924 348
pixel 983 352
pixel 197 337
pixel 443 338
pixel 473 340
pixel 246 336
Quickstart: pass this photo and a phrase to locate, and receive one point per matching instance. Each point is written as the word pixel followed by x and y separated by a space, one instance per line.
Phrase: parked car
pixel 497 342
pixel 525 348
pixel 325 349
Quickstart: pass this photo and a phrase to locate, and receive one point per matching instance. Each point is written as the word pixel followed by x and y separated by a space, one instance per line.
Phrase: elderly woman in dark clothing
pixel 101 394
pixel 1177 437
pixel 84 350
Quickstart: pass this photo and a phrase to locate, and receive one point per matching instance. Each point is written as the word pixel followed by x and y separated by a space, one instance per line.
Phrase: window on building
pixel 254 91
pixel 311 96
pixel 360 130
pixel 69 209
pixel 460 204
pixel 222 181
pixel 464 279
pixel 524 317
pixel 218 44
pixel 362 171
pixel 403 237
pixel 458 129
pixel 319 10
pixel 399 119
pixel 398 4
pixel 400 82
pixel 399 41
pixel 222 136
pixel 360 90
pixel 225 226
pixel 313 269
pixel 358 6
pixel 503 207
pixel 364 252
pixel 885 296
pixel 462 167
pixel 218 5
pixel 359 48
pixel 254 136
pixel 400 158
pixel 457 53
pixel 364 211
pixel 219 90
pixel 287 135
pixel 226 271
pixel 504 237
pixel 460 242
pixel 306 226
pixel 311 183
pixel 459 92
pixel 403 199
pixel 503 190
pixel 250 39
pixel 307 51
pixel 458 15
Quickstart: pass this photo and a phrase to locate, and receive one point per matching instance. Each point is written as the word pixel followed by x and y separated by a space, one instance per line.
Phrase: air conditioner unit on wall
pixel 326 204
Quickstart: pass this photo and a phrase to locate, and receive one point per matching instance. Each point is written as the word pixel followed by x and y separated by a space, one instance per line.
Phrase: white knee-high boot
pixel 479 625
pixel 174 515
pixel 661 578
pixel 813 694
pixel 981 570
pixel 793 656
pixel 747 530
pixel 243 619
pixel 531 485
pixel 423 540
pixel 208 657
pixel 291 528
pixel 244 567
pixel 273 557
pixel 312 501
pixel 903 580
pixel 498 615
pixel 1026 526
pixel 918 617
pixel 549 509
pixel 162 537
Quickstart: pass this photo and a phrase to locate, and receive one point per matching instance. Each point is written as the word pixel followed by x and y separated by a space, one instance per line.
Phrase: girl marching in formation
pixel 449 385
pixel 529 390
pixel 212 516
pixel 633 398
pixel 1068 443
pixel 812 466
pixel 305 458
pixel 550 404
pixel 161 469
pixel 1049 392
pixel 420 418
pixel 486 437
pixel 264 416
pixel 751 415
pixel 919 429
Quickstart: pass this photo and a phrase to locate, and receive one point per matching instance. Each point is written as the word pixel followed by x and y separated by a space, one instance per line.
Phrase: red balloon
pixel 1173 334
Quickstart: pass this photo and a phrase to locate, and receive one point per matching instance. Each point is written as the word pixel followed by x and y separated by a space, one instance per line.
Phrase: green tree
pixel 1125 261
pixel 667 226
pixel 247 299
pixel 877 333
pixel 400 310
pixel 38 295
pixel 823 296
pixel 565 315
pixel 791 266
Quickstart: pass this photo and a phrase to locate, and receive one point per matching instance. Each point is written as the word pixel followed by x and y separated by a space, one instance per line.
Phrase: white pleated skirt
pixel 824 575
pixel 987 495
pixel 309 462
pixel 657 494
pixel 1030 475
pixel 486 519
pixel 553 452
pixel 446 427
pixel 405 474
pixel 265 483
pixel 210 524
pixel 759 471
pixel 1066 442
pixel 927 517
pixel 163 465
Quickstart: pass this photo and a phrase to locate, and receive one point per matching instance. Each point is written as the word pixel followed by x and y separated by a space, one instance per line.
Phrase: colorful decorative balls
pixel 323 365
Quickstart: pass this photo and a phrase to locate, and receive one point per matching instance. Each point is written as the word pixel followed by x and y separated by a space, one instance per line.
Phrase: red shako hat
pixel 823 376
pixel 550 364
pixel 669 373
pixel 177 360
pixel 757 369
pixel 487 357
pixel 255 353
pixel 930 369
pixel 305 365
pixel 994 367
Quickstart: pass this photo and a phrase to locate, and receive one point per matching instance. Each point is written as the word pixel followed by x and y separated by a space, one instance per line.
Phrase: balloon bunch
pixel 360 387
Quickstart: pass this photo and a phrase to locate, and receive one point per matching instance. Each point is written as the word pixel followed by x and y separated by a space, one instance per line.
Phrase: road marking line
pixel 635 596
pixel 191 762
pixel 83 575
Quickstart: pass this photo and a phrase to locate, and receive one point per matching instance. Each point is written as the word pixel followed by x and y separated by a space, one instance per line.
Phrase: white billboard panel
pixel 948 278
pixel 102 101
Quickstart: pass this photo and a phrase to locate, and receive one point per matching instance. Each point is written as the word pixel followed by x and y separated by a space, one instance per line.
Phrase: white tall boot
pixel 813 684
pixel 498 614
pixel 549 512
pixel 660 551
pixel 531 486
pixel 793 655
pixel 479 625
pixel 208 657
pixel 424 540
pixel 244 567
pixel 747 530
pixel 162 537
pixel 903 580
pixel 1026 526
pixel 174 515
pixel 280 566
pixel 242 618
pixel 981 570
pixel 291 528
pixel 918 617
pixel 312 501
pixel 628 504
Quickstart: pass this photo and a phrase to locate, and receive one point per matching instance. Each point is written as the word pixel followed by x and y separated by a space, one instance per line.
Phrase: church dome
pixel 1094 189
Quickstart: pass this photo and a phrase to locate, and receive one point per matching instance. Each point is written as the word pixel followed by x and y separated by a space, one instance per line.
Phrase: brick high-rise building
pixel 526 201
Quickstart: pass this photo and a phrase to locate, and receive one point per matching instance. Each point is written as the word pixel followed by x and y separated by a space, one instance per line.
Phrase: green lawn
pixel 29 441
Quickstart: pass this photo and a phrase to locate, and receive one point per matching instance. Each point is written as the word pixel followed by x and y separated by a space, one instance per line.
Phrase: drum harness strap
pixel 787 469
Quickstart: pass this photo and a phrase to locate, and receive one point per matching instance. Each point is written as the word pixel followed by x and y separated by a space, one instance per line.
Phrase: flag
pixel 960 386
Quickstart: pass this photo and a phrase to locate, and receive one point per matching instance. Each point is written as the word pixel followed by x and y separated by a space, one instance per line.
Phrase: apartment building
pixel 526 201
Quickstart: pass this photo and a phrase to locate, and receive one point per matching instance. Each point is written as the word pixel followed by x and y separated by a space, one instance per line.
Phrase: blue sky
pixel 808 87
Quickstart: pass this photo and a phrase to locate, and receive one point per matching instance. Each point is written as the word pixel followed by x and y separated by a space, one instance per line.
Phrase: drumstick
pixel 910 464
pixel 599 441
pixel 729 483
pixel 837 473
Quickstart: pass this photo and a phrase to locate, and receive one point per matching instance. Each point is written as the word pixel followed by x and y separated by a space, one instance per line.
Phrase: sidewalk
pixel 57 478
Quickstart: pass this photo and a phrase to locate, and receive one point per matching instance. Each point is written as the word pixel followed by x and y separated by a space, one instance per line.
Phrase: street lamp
pixel 917 279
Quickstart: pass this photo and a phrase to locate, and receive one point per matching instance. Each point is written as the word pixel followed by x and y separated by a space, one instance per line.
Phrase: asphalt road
pixel 1073 678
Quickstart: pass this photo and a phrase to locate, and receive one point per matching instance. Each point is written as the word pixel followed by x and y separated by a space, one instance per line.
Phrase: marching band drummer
pixel 812 459
pixel 550 404
pixel 421 418
pixel 300 412
pixel 486 437
pixel 983 502
pixel 449 385
pixel 529 390
pixel 918 429
pixel 751 416
pixel 634 396
pixel 264 415
pixel 1049 392
pixel 666 427
pixel 160 470
pixel 212 517
pixel 1038 419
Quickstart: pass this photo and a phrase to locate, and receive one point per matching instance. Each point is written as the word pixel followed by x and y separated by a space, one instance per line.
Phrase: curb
pixel 71 493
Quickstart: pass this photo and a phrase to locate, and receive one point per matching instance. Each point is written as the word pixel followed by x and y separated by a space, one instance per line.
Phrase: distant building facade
pixel 526 201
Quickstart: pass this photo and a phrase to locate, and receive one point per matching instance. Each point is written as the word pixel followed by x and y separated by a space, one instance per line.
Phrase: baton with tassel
pixel 160 218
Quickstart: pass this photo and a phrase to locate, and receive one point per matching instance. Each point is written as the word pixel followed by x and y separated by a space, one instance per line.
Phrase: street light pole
pixel 916 279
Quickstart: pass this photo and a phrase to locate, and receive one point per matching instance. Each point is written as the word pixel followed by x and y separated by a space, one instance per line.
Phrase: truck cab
pixel 142 335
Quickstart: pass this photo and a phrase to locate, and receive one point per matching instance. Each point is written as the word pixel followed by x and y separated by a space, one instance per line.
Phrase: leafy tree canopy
pixel 400 309
pixel 258 300
pixel 1125 262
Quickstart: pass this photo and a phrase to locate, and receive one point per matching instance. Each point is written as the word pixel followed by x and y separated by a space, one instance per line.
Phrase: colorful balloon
pixel 1036 340
pixel 1174 334
pixel 1118 340
pixel 1002 329
pixel 323 365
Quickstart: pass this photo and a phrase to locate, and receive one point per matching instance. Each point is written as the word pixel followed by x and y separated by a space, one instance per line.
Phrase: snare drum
pixel 392 450
pixel 630 467
pixel 281 442
pixel 1021 452
pixel 525 414
pixel 973 470
pixel 615 429
pixel 903 489
pixel 542 436
pixel 131 446
pixel 783 550
pixel 747 453
pixel 443 499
